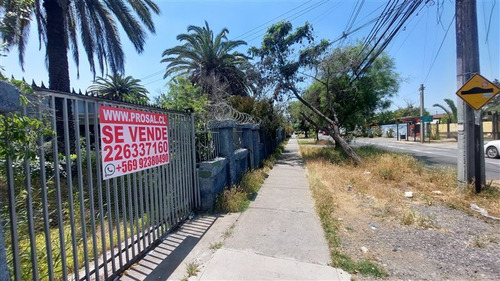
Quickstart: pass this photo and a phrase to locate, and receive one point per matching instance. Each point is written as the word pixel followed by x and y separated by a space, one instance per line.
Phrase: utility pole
pixel 470 164
pixel 422 136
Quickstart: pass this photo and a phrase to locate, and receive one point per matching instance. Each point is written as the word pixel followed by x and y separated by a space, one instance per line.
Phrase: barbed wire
pixel 220 113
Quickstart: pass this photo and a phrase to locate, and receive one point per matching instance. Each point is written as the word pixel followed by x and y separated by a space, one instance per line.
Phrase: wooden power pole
pixel 470 164
pixel 422 132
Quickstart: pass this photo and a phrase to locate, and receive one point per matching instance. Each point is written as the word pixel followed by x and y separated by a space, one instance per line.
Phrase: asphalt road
pixel 432 154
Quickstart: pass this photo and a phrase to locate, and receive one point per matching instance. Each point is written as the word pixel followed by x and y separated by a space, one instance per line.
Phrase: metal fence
pixel 61 221
pixel 207 146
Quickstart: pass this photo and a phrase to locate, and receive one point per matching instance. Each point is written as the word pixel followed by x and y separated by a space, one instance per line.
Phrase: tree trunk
pixel 57 58
pixel 57 47
pixel 333 130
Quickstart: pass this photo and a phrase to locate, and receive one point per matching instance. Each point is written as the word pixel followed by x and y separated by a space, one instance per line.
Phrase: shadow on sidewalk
pixel 163 260
pixel 290 158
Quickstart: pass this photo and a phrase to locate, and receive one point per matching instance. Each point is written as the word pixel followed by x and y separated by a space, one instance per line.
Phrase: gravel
pixel 459 246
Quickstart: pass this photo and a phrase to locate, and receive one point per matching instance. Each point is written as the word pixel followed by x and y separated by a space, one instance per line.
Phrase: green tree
pixel 119 87
pixel 336 74
pixel 354 102
pixel 264 110
pixel 297 110
pixel 451 111
pixel 410 110
pixel 208 60
pixel 182 94
pixel 384 117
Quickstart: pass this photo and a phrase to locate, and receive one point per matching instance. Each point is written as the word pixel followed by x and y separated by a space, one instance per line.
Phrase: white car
pixel 492 149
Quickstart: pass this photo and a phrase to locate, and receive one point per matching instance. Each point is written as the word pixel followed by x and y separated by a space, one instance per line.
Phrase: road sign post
pixel 476 93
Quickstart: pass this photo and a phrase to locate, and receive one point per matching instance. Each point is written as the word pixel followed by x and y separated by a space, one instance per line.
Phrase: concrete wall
pixel 231 164
pixel 213 176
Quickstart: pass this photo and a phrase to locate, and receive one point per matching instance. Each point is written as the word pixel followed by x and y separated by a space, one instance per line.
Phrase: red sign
pixel 132 140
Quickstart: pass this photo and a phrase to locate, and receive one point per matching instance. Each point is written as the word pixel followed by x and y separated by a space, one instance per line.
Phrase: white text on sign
pixel 132 140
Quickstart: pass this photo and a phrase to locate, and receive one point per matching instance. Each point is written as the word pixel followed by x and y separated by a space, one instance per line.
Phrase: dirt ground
pixel 448 244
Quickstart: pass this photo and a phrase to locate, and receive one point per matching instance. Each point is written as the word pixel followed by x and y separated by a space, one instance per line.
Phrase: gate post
pixel 196 187
pixel 227 147
pixel 247 143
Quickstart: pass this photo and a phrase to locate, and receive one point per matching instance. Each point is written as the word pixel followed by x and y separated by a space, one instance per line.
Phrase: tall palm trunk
pixel 57 46
pixel 57 56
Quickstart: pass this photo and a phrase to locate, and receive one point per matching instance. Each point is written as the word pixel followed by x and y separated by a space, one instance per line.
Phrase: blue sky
pixel 414 49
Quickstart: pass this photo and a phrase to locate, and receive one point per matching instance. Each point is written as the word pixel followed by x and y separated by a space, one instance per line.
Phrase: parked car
pixel 492 149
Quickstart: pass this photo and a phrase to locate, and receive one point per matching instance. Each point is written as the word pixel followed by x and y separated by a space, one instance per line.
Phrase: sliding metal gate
pixel 60 219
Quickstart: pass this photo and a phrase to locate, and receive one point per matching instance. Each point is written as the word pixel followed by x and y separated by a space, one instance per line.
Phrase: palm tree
pixel 208 61
pixel 451 114
pixel 60 21
pixel 120 88
pixel 451 111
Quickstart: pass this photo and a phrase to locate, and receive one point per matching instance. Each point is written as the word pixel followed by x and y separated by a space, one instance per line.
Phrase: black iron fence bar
pixel 208 145
pixel 136 213
pixel 69 182
pixel 80 190
pixel 117 218
pixel 130 213
pixel 45 204
pixel 176 167
pixel 100 193
pixel 193 164
pixel 29 207
pixel 13 219
pixel 90 184
pixel 57 186
pixel 124 218
pixel 183 164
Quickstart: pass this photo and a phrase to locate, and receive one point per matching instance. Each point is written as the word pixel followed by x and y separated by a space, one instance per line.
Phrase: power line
pixel 326 12
pixel 151 82
pixel 290 18
pixel 442 42
pixel 152 74
pixel 262 31
pixel 241 35
pixel 390 24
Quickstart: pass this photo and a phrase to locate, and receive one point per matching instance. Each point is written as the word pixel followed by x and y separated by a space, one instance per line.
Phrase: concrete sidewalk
pixel 280 236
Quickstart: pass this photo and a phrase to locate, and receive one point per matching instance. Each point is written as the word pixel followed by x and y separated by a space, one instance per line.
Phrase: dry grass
pixel 315 142
pixel 386 176
pixel 324 198
pixel 378 187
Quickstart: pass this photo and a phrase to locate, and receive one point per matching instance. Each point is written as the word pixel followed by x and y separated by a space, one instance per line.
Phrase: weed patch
pixel 192 269
pixel 216 245
pixel 237 198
